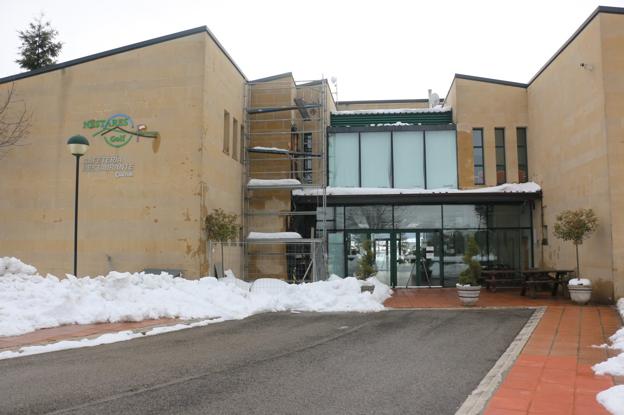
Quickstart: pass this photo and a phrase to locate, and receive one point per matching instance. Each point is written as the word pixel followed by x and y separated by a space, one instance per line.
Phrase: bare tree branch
pixel 15 121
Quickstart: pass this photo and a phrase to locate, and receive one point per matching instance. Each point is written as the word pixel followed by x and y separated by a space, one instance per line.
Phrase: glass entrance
pixel 418 259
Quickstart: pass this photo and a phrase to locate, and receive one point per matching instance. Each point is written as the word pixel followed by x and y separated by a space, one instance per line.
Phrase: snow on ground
pixel 273 235
pixel 29 301
pixel 613 398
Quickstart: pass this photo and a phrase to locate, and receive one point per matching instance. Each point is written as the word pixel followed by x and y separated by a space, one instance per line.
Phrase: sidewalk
pixel 76 332
pixel 552 374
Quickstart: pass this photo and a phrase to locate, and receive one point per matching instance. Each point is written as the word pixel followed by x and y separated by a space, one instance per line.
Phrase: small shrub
pixel 366 264
pixel 471 274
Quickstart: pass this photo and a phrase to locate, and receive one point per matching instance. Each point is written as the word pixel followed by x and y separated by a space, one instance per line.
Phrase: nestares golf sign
pixel 117 130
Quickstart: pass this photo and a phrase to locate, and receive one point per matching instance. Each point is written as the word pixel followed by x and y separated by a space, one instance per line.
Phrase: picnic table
pixel 538 276
pixel 528 278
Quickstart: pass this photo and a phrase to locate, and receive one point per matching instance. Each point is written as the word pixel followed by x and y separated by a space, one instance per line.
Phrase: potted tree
pixel 576 225
pixel 468 288
pixel 221 227
pixel 366 265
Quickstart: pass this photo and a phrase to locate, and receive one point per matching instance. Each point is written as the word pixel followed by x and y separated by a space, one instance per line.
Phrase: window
pixel 408 156
pixel 226 132
pixel 501 172
pixel 307 162
pixel 441 159
pixel 235 139
pixel 375 159
pixel 477 155
pixel 242 144
pixel 343 160
pixel 523 167
pixel 399 159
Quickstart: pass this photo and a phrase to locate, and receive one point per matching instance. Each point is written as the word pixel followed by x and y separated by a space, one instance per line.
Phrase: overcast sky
pixel 377 49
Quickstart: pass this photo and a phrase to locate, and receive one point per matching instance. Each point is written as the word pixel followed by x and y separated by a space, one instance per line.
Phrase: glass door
pixel 381 249
pixel 418 259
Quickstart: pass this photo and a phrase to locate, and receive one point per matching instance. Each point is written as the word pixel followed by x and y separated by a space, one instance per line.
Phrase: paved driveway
pixel 393 362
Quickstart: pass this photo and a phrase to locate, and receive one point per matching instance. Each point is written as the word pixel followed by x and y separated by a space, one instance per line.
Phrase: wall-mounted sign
pixel 115 164
pixel 117 130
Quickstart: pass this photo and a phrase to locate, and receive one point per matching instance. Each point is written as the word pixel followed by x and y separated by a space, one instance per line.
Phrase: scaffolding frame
pixel 304 117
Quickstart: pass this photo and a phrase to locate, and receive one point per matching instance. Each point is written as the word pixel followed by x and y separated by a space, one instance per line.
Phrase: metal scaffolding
pixel 285 150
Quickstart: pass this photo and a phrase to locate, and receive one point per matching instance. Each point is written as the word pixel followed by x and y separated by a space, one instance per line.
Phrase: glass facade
pixel 399 159
pixel 424 244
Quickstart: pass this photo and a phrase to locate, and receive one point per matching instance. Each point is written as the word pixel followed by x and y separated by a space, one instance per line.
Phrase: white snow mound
pixel 29 301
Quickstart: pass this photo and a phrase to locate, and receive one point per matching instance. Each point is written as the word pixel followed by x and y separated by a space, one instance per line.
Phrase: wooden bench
pixel 492 277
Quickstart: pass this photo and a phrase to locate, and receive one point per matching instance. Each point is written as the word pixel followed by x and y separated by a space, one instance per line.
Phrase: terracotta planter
pixel 580 294
pixel 468 294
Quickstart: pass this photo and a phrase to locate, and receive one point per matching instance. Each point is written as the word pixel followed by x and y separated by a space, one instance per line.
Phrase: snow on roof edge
pixel 393 111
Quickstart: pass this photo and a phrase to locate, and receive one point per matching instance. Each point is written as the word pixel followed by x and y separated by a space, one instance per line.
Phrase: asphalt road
pixel 393 362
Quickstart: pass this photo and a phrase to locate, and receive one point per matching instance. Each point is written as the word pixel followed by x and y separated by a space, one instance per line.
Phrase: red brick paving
pixel 552 374
pixel 75 331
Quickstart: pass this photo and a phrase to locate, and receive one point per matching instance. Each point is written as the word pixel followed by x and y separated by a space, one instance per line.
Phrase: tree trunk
pixel 578 274
pixel 222 270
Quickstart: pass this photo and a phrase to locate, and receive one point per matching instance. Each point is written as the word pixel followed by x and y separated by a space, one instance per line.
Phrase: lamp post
pixel 78 146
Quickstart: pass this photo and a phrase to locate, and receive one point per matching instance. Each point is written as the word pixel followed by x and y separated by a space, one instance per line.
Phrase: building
pixel 497 160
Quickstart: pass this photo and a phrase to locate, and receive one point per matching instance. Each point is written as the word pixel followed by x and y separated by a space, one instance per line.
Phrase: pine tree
pixel 366 264
pixel 38 48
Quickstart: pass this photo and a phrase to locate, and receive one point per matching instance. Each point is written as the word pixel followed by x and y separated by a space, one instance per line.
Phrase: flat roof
pixel 127 48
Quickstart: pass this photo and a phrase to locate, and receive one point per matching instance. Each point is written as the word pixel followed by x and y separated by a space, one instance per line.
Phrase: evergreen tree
pixel 366 263
pixel 38 48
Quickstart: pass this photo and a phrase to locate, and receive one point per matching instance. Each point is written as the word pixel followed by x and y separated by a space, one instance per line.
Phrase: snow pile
pixel 272 182
pixel 11 265
pixel 529 187
pixel 273 235
pixel 437 108
pixel 30 301
pixel 579 281
pixel 613 398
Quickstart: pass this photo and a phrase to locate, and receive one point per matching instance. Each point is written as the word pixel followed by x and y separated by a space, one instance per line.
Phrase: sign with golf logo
pixel 117 130
pixel 429 252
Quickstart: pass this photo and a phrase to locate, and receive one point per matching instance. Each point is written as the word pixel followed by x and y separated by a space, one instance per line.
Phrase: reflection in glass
pixel 335 251
pixel 465 216
pixel 455 244
pixel 418 217
pixel 368 217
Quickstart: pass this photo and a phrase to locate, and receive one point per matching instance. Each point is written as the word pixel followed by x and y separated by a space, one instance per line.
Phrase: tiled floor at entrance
pixel 553 373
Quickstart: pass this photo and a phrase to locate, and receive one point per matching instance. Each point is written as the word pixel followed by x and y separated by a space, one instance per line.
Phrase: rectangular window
pixel 441 159
pixel 478 155
pixel 501 171
pixel 235 139
pixel 523 166
pixel 242 144
pixel 408 156
pixel 226 132
pixel 375 159
pixel 343 160
pixel 307 162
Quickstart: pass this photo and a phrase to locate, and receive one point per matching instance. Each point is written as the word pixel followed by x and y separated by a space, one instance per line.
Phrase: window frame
pixel 500 166
pixel 226 132
pixel 474 162
pixel 524 149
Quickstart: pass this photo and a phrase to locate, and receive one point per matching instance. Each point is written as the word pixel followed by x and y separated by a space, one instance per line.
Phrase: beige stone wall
pixel 486 105
pixel 152 219
pixel 569 156
pixel 612 31
pixel 347 106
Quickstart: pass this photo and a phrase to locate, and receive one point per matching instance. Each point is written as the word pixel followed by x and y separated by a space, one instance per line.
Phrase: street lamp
pixel 78 146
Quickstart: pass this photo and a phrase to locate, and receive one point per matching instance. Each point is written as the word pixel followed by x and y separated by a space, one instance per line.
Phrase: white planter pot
pixel 580 294
pixel 468 295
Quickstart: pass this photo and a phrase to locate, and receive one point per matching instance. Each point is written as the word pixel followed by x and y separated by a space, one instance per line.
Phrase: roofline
pixel 383 101
pixel 318 81
pixel 127 48
pixel 273 77
pixel 490 80
pixel 599 9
